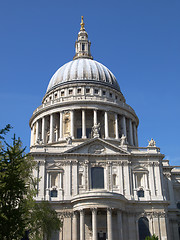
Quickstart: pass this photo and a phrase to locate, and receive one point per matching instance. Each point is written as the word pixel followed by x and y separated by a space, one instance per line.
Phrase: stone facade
pixel 85 142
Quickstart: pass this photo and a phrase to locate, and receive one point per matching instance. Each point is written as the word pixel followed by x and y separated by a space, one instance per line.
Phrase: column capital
pixel 75 213
pixel 109 210
pixel 93 210
pixel 81 211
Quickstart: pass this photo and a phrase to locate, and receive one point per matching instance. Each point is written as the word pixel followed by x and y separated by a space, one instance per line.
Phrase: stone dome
pixel 83 70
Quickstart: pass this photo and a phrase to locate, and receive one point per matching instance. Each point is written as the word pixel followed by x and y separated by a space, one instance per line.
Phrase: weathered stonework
pixel 84 140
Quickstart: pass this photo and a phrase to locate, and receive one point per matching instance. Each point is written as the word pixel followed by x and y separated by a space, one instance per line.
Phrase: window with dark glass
pixel 53 193
pixel 88 132
pixel 62 93
pixel 70 91
pixel 110 94
pixel 87 90
pixel 83 47
pixel 79 90
pixel 79 132
pixel 97 177
pixel 143 225
pixel 80 178
pixel 140 193
pixel 104 92
pixel 114 179
pixel 96 91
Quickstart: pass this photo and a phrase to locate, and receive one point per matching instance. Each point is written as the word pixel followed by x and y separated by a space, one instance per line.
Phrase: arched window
pixel 97 177
pixel 143 225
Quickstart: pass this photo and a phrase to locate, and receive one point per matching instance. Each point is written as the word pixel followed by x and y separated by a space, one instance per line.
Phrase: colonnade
pixel 49 129
pixel 109 230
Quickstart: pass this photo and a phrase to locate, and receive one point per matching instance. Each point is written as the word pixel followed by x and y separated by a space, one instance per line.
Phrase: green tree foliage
pixel 153 237
pixel 4 131
pixel 19 212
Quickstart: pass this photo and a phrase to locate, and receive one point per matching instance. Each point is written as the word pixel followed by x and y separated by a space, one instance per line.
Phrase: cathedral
pixel 84 139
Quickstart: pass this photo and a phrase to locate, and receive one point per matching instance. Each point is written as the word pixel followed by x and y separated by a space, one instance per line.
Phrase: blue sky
pixel 138 40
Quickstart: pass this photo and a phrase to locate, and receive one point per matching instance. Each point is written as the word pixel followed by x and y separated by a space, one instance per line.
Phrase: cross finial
pixel 82 24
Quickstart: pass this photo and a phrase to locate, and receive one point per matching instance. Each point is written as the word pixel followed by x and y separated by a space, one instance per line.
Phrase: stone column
pixel 72 124
pixel 60 180
pixel 95 117
pixel 60 126
pixel 121 180
pixel 135 134
pixel 37 130
pixel 106 125
pixel 116 126
pixel 151 180
pixel 120 229
pixel 109 224
pixel 94 223
pixel 132 226
pixel 156 225
pixel 82 226
pixel 47 186
pixel 158 180
pixel 75 224
pixel 51 128
pixel 126 179
pixel 42 183
pixel 130 132
pixel 171 191
pixel 124 126
pixel 163 227
pixel 43 130
pixel 32 135
pixel 83 124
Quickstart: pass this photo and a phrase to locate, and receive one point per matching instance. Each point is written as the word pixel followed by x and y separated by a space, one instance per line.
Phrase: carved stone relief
pixel 96 149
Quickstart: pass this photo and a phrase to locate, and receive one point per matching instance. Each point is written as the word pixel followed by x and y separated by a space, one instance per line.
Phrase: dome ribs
pixel 88 68
pixel 80 70
pixel 68 74
pixel 83 69
pixel 65 72
pixel 101 72
pixel 73 71
pixel 95 71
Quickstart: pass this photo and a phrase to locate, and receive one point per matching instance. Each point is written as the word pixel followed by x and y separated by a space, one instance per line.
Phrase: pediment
pixel 54 166
pixel 97 146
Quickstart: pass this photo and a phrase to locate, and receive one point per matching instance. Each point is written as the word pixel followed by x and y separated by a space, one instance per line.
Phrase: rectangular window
pixel 88 132
pixel 54 193
pixel 110 95
pixel 70 91
pixel 79 90
pixel 79 132
pixel 96 91
pixel 83 47
pixel 87 90
pixel 62 93
pixel 104 93
pixel 97 177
